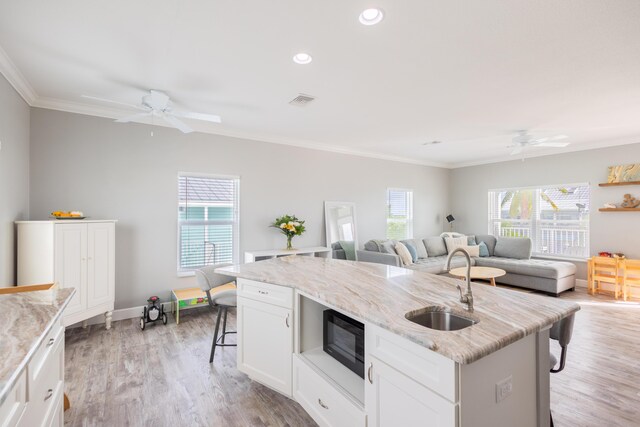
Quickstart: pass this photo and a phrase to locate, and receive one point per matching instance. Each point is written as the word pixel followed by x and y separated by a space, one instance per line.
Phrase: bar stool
pixel 561 331
pixel 221 293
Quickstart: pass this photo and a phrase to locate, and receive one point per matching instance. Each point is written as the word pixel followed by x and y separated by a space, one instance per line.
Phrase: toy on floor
pixel 153 312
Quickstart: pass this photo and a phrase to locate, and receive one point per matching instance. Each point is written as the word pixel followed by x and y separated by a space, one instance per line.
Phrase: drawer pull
pixel 369 373
pixel 263 292
pixel 51 341
pixel 49 394
pixel 286 320
pixel 321 403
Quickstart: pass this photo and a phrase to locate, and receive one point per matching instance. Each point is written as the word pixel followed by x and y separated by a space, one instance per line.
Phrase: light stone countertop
pixel 25 319
pixel 381 295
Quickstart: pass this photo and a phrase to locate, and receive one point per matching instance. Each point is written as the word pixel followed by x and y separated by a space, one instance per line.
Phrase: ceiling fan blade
pixel 549 139
pixel 198 116
pixel 517 150
pixel 552 144
pixel 95 98
pixel 178 124
pixel 133 117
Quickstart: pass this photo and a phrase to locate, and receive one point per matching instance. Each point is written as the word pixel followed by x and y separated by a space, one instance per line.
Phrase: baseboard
pixel 581 283
pixel 128 313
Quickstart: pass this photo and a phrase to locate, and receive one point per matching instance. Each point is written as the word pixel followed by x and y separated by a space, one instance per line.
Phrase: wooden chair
pixel 630 276
pixel 604 270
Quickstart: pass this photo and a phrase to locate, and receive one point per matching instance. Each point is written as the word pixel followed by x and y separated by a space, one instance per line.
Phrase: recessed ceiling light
pixel 302 58
pixel 432 143
pixel 371 16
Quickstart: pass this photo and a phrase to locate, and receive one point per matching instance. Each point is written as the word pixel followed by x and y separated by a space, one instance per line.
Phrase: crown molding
pixel 13 75
pixel 550 152
pixel 115 113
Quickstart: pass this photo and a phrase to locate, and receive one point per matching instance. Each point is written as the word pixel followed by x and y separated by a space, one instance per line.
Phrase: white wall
pixel 609 231
pixel 118 171
pixel 14 175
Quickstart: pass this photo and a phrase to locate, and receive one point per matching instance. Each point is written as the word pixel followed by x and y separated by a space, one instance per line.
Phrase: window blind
pixel 399 214
pixel 556 218
pixel 207 221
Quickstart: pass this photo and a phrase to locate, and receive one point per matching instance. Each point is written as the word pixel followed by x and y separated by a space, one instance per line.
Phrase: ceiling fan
pixel 523 140
pixel 158 104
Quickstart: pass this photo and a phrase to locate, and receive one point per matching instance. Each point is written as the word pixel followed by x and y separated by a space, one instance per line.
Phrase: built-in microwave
pixel 343 339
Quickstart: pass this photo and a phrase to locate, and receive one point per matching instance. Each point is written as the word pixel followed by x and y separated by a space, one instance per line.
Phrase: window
pixel 399 214
pixel 207 221
pixel 556 218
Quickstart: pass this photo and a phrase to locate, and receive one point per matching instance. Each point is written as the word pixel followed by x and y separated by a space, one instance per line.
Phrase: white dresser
pixel 76 254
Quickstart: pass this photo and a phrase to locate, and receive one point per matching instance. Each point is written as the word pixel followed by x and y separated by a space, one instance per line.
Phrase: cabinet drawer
pixel 321 400
pixel 428 368
pixel 266 292
pixel 48 383
pixel 12 408
pixel 43 353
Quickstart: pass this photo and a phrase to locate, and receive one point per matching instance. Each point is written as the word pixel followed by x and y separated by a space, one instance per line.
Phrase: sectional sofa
pixel 510 254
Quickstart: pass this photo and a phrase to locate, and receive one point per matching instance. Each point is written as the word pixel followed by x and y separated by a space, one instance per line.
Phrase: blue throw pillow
pixel 412 250
pixel 471 241
pixel 484 250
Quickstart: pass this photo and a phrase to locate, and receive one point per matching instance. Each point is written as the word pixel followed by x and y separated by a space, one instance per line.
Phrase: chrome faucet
pixel 468 297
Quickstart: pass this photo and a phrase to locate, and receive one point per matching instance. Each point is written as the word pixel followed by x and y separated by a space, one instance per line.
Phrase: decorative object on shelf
pixel 153 312
pixel 624 173
pixel 629 202
pixel 605 254
pixel 610 206
pixel 450 220
pixel 290 226
pixel 619 255
pixel 68 215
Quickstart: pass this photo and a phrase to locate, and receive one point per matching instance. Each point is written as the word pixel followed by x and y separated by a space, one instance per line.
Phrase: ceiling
pixel 467 73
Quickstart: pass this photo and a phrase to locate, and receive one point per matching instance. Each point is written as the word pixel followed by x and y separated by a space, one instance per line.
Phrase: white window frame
pixel 535 223
pixel 409 218
pixel 236 219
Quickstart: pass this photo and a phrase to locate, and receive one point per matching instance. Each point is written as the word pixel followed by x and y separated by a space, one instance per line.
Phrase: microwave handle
pixel 369 373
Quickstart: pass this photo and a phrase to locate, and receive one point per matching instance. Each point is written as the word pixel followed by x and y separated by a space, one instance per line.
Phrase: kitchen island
pixel 32 357
pixel 492 373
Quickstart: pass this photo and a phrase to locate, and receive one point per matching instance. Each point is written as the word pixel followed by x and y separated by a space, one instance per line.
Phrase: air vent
pixel 301 100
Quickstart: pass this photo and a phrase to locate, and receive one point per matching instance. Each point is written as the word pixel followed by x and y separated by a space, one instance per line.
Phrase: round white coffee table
pixel 486 273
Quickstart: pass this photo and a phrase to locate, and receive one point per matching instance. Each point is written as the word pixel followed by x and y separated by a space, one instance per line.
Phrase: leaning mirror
pixel 340 224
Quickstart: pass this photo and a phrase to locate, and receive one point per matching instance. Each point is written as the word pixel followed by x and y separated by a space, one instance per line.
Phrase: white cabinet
pixel 73 254
pixel 265 334
pixel 36 399
pixel 326 405
pixel 394 399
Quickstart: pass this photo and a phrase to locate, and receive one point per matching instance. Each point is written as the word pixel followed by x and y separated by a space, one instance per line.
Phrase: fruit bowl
pixel 67 215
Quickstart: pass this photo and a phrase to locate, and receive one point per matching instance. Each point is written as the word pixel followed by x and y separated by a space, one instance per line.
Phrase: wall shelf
pixel 615 184
pixel 619 209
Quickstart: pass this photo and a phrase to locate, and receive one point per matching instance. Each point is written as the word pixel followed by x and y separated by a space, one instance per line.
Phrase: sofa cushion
pixel 435 246
pixel 403 253
pixel 530 267
pixel 419 246
pixel 483 250
pixel 453 243
pixel 488 240
pixel 412 250
pixel 435 265
pixel 388 247
pixel 471 241
pixel 372 245
pixel 513 247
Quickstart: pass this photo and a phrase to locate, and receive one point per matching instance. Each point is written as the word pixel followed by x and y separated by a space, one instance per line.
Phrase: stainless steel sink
pixel 439 318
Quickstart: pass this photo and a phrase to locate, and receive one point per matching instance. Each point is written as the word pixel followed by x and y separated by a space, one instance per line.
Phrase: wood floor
pixel 161 377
